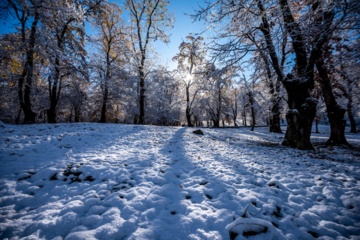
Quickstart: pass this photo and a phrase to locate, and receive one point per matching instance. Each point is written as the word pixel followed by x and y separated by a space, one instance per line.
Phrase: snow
pixel 107 181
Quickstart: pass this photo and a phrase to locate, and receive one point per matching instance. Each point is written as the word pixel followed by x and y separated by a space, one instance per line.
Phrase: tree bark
pixel 17 120
pixel 274 90
pixel 26 78
pixel 106 91
pixel 188 117
pixel 351 116
pixel 253 122
pixel 217 114
pixel 53 93
pixel 55 85
pixel 103 109
pixel 235 124
pixel 349 107
pixel 334 111
pixel 275 117
pixel 300 116
pixel 244 115
pixel 188 109
pixel 317 126
pixel 76 114
pixel 302 108
pixel 142 95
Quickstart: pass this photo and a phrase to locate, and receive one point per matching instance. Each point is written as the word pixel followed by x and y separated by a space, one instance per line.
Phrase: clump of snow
pixel 107 181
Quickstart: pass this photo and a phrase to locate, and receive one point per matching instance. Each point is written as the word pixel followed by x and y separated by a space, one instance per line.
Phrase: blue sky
pixel 183 26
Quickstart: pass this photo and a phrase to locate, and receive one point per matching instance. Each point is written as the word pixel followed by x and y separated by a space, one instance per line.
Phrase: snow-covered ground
pixel 107 181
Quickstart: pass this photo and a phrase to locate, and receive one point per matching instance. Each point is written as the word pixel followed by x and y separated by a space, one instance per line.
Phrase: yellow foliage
pixel 11 84
pixel 15 66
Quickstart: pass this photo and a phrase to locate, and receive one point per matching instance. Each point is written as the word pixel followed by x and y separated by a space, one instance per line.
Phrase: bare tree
pixel 190 60
pixel 150 22
pixel 110 59
pixel 256 21
pixel 27 13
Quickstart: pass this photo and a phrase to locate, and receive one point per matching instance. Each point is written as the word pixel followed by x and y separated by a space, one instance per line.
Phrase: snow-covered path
pixel 106 181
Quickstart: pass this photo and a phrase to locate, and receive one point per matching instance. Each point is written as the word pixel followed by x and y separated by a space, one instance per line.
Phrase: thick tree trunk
pixel 334 111
pixel 302 108
pixel 337 125
pixel 351 118
pixel 350 110
pixel 51 114
pixel 25 81
pixel 300 116
pixel 216 123
pixel 253 119
pixel 235 124
pixel 275 116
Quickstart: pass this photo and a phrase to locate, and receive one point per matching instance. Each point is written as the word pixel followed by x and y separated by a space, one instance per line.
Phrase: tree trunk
pixel 55 85
pixel 235 124
pixel 106 85
pixel 103 111
pixel 317 126
pixel 218 109
pixel 51 114
pixel 275 116
pixel 25 81
pixel 17 120
pixel 351 118
pixel 77 114
pixel 302 108
pixel 317 120
pixel 253 122
pixel 54 91
pixel 188 117
pixel 188 109
pixel 300 116
pixel 142 94
pixel 244 114
pixel 350 110
pixel 71 116
pixel 104 102
pixel 274 91
pixel 253 119
pixel 334 111
pixel 216 123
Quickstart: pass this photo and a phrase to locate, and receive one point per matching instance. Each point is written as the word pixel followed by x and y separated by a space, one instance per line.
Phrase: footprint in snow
pixel 248 227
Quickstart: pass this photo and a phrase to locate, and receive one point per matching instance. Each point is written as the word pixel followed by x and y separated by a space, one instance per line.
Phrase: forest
pixel 258 63
pixel 246 128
